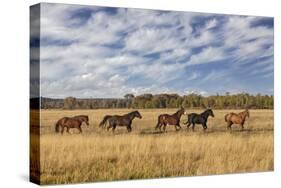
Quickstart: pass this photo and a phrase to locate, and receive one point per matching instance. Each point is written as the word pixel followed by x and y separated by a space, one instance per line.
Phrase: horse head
pixel 247 113
pixel 137 114
pixel 86 120
pixel 82 118
pixel 181 111
pixel 210 112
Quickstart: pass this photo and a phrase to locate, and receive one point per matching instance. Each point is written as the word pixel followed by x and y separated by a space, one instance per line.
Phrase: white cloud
pixel 207 55
pixel 100 55
pixel 175 55
pixel 152 40
pixel 205 38
pixel 193 76
pixel 211 24
pixel 203 93
pixel 238 30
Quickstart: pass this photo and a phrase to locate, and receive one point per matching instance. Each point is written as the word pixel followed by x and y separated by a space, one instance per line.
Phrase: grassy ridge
pixel 98 155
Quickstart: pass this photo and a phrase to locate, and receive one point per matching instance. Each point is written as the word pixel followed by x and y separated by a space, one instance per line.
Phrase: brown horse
pixel 117 120
pixel 72 122
pixel 167 119
pixel 240 118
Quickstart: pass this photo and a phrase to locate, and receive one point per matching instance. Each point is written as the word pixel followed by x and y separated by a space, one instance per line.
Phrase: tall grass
pixel 97 155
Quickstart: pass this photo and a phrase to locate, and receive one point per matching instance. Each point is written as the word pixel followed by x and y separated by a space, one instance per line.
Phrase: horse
pixel 118 120
pixel 167 119
pixel 202 119
pixel 71 122
pixel 233 118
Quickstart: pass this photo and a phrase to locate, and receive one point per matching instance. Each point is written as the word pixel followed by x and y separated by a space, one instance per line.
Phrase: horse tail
pixel 225 117
pixel 158 123
pixel 189 118
pixel 102 123
pixel 57 126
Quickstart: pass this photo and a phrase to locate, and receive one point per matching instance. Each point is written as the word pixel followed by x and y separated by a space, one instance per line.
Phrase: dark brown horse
pixel 71 122
pixel 240 118
pixel 117 120
pixel 167 119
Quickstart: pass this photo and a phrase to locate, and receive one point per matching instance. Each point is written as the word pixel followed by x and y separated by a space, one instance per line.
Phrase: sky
pixel 99 52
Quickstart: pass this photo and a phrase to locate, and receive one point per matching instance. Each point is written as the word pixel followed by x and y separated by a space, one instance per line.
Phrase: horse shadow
pixel 238 130
pixel 158 132
pixel 150 132
pixel 208 131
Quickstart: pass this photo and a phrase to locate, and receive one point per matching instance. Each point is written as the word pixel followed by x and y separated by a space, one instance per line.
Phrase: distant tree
pixel 179 101
pixel 148 104
pixel 147 96
pixel 155 102
pixel 172 103
pixel 238 101
pixel 129 96
pixel 129 100
pixel 69 103
pixel 162 102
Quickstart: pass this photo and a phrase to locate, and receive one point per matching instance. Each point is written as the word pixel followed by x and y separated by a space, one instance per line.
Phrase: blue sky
pixel 89 51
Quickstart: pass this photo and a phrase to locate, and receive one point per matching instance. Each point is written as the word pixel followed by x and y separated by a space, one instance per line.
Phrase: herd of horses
pixel 112 121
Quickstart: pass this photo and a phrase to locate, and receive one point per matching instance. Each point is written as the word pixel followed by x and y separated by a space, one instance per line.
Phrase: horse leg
pixel 160 127
pixel 164 128
pixel 188 125
pixel 193 126
pixel 129 128
pixel 113 128
pixel 204 126
pixel 177 125
pixel 67 130
pixel 157 126
pixel 109 126
pixel 62 129
pixel 80 129
pixel 229 125
pixel 242 126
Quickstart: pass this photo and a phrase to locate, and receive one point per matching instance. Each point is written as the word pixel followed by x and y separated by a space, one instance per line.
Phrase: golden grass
pixel 98 155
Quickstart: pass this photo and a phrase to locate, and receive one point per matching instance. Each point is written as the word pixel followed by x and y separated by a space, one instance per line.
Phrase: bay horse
pixel 202 119
pixel 71 122
pixel 120 120
pixel 167 119
pixel 233 118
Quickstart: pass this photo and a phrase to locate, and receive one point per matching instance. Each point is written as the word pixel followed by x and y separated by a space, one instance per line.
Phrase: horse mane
pixel 243 113
pixel 177 112
pixel 133 112
pixel 203 113
pixel 80 116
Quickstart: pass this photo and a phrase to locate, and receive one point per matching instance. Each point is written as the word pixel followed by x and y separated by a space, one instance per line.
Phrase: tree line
pixel 227 101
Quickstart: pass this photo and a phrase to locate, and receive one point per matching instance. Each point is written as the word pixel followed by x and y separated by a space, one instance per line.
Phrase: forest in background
pixel 146 101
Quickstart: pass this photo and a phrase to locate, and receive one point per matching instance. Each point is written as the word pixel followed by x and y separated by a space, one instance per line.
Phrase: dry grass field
pixel 98 155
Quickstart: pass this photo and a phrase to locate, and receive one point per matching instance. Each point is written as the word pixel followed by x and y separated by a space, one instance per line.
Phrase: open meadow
pixel 100 155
